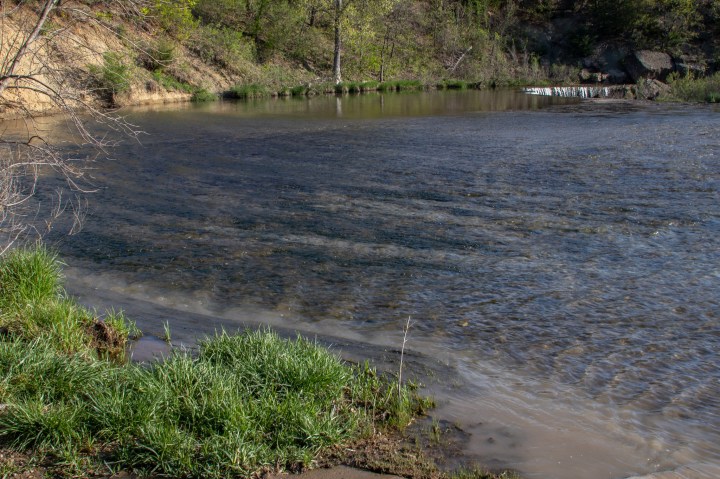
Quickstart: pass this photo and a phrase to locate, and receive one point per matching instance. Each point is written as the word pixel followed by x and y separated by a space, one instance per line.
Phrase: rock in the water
pixel 649 89
pixel 649 64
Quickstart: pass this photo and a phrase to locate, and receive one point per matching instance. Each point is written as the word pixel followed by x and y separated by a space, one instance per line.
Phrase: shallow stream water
pixel 560 259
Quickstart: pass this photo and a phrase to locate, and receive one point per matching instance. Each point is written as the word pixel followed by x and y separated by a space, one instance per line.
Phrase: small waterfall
pixel 578 91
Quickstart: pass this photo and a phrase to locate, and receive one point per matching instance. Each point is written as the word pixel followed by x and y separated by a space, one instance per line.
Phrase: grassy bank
pixel 239 405
pixel 691 89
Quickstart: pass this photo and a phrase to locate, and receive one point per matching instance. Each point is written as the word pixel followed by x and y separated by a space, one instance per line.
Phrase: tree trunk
pixel 338 42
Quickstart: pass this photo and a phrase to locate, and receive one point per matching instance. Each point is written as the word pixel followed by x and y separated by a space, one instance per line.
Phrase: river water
pixel 561 259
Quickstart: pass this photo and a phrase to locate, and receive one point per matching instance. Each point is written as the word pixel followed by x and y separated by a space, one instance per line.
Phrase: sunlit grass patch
pixel 33 304
pixel 239 404
pixel 242 403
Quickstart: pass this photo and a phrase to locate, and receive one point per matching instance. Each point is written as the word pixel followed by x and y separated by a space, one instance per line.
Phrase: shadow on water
pixel 559 259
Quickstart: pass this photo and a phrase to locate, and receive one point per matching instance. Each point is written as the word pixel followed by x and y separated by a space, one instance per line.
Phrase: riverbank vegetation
pixel 689 88
pixel 161 50
pixel 238 405
pixel 481 41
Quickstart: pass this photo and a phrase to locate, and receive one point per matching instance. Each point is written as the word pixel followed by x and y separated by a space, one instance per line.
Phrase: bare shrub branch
pixel 35 79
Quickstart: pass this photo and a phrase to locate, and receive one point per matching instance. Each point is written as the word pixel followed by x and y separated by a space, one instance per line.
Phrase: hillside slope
pixel 120 52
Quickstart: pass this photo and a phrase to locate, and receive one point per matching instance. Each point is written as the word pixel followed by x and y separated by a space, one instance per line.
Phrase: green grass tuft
pixel 241 403
pixel 400 85
pixel 171 83
pixel 689 88
pixel 347 87
pixel 249 91
pixel 33 304
pixel 202 95
pixel 299 90
pixel 28 276
pixel 369 86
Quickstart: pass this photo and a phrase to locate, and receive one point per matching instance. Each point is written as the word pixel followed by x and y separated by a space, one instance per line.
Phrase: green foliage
pixel 224 47
pixel 159 56
pixel 201 95
pixel 174 16
pixel 171 83
pixel 649 23
pixel 241 403
pixel 299 90
pixel 369 86
pixel 287 42
pixel 113 76
pixel 348 87
pixel 33 305
pixel 249 91
pixel 267 23
pixel 28 277
pixel 693 89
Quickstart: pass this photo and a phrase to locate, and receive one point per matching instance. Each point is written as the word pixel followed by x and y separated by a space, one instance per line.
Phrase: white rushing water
pixel 577 91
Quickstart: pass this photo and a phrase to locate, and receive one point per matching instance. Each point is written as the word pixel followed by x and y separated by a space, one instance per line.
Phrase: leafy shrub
pixel 174 16
pixel 113 76
pixel 171 83
pixel 202 95
pixel 689 88
pixel 158 56
pixel 224 47
pixel 249 91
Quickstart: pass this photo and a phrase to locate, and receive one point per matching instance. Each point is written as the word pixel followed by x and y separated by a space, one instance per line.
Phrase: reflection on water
pixel 375 105
pixel 564 259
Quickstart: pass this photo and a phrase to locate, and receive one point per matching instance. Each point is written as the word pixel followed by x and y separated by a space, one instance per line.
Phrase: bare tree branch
pixel 4 78
pixel 32 60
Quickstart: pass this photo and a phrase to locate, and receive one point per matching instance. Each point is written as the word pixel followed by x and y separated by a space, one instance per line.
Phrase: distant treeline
pixel 477 40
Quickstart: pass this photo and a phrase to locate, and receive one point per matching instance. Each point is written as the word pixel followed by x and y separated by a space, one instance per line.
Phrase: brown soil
pixel 382 456
pixel 106 340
